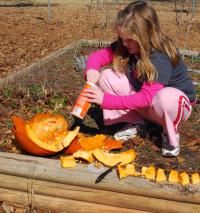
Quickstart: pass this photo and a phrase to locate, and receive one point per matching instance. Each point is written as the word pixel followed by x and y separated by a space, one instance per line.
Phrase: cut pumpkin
pixel 68 162
pixel 111 144
pixel 160 176
pixel 150 173
pixel 126 170
pixel 184 178
pixel 44 134
pixel 87 156
pixel 111 159
pixel 195 179
pixel 93 142
pixel 143 172
pixel 74 145
pixel 173 176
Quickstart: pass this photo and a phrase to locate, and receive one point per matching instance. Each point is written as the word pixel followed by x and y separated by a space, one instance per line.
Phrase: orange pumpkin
pixel 44 134
pixel 75 145
pixel 111 144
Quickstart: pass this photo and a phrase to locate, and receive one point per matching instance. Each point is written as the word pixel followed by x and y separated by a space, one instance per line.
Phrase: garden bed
pixel 52 85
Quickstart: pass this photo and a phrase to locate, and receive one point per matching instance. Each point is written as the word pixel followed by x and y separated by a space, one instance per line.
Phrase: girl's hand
pixel 92 76
pixel 94 95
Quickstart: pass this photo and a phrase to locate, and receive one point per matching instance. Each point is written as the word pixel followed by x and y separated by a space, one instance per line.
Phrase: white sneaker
pixel 167 149
pixel 129 131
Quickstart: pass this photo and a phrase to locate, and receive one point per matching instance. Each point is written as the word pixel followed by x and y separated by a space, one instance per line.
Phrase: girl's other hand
pixel 92 76
pixel 94 95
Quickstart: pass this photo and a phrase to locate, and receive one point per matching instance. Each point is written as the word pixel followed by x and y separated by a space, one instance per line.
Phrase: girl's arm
pixel 141 99
pixel 98 59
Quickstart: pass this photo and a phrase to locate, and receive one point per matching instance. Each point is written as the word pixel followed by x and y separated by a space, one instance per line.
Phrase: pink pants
pixel 168 108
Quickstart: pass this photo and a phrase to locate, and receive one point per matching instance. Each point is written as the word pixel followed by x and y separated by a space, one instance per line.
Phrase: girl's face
pixel 131 45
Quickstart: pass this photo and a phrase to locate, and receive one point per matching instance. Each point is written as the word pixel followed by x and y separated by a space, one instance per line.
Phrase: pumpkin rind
pixel 55 138
pixel 19 130
pixel 110 144
pixel 111 159
pixel 93 142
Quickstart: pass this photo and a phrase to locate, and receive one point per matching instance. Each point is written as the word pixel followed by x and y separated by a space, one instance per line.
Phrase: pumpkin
pixel 111 159
pixel 68 161
pixel 150 173
pixel 110 144
pixel 93 142
pixel 75 145
pixel 87 156
pixel 195 179
pixel 184 178
pixel 173 176
pixel 160 176
pixel 127 170
pixel 44 134
pixel 144 169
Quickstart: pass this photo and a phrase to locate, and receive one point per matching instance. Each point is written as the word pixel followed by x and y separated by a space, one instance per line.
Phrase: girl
pixel 149 80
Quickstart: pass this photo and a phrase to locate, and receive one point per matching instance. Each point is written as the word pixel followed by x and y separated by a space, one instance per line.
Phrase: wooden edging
pixel 38 178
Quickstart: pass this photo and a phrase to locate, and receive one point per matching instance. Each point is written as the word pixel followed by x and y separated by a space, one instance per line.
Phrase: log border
pixel 42 177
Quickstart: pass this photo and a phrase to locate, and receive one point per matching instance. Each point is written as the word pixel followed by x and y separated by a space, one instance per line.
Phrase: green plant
pixel 8 92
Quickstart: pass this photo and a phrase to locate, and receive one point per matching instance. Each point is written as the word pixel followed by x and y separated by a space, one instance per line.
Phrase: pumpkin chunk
pixel 126 170
pixel 91 143
pixel 184 178
pixel 111 159
pixel 144 169
pixel 160 176
pixel 195 178
pixel 68 162
pixel 110 144
pixel 150 173
pixel 85 155
pixel 173 176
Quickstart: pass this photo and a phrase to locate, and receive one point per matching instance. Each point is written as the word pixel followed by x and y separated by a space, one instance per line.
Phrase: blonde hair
pixel 141 21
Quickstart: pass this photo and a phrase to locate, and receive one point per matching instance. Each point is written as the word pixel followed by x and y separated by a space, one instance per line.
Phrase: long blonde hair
pixel 141 21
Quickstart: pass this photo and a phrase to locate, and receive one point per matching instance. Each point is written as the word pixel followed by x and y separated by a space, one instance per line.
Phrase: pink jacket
pixel 141 99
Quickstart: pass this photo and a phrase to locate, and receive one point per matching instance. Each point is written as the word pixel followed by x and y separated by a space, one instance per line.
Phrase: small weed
pixel 9 124
pixel 37 110
pixel 57 102
pixel 35 92
pixel 8 92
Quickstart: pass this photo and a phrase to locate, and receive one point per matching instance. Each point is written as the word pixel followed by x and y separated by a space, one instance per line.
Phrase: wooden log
pixel 89 195
pixel 51 171
pixel 54 203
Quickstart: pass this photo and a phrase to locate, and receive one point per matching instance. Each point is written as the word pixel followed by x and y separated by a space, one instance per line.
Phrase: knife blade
pixel 104 174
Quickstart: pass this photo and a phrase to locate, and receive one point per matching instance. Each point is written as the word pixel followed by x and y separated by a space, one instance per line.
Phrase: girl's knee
pixel 116 83
pixel 167 96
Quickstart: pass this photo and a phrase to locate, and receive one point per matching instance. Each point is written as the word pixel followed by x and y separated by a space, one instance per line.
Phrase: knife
pixel 104 174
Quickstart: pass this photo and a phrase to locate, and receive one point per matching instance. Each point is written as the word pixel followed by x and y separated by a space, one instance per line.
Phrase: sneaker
pixel 129 131
pixel 167 149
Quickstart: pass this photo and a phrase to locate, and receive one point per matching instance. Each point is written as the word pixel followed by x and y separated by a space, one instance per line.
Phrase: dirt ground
pixel 26 35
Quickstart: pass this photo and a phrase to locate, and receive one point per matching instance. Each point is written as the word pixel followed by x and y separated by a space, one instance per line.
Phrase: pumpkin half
pixel 44 134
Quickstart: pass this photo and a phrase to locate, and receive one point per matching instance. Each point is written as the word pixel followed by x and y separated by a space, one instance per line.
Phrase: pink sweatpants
pixel 168 108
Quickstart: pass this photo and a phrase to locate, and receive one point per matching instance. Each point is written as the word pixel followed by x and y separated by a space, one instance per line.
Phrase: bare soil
pixel 26 35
